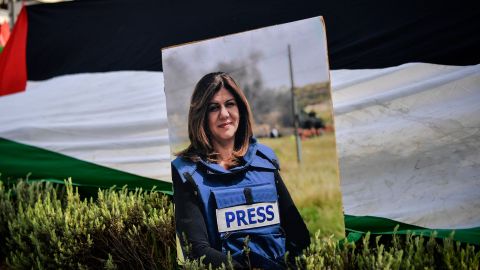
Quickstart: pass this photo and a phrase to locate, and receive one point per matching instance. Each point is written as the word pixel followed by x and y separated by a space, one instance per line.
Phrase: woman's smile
pixel 225 125
pixel 223 117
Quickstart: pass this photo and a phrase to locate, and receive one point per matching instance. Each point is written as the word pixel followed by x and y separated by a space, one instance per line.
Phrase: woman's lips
pixel 224 124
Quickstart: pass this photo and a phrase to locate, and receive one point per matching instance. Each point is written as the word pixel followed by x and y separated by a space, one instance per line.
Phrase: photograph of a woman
pixel 228 192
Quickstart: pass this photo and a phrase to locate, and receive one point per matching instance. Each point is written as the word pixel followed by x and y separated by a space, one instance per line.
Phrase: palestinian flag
pixel 100 125
pixel 82 96
pixel 408 143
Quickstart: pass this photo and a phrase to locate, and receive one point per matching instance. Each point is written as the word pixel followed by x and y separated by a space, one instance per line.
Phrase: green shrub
pixel 401 252
pixel 120 229
pixel 44 226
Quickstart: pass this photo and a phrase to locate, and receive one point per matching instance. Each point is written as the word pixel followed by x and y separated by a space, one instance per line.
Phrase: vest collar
pixel 251 158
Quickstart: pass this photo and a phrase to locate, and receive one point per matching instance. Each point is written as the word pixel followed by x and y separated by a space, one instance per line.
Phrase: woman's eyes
pixel 213 107
pixel 230 104
pixel 216 107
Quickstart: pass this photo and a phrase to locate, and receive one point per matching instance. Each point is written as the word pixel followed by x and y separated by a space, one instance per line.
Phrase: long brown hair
pixel 198 130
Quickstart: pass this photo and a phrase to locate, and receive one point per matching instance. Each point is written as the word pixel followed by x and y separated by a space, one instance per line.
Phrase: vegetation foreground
pixel 43 226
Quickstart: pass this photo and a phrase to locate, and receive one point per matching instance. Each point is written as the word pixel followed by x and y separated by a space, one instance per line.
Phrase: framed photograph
pixel 243 109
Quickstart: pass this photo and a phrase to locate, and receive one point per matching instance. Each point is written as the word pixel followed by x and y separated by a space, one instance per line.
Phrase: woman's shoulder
pixel 265 149
pixel 268 153
pixel 181 161
pixel 183 165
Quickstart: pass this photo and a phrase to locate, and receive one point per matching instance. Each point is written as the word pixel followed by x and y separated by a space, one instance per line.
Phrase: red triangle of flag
pixel 13 62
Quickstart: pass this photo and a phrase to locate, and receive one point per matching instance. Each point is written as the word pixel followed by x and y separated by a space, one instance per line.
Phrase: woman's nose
pixel 224 112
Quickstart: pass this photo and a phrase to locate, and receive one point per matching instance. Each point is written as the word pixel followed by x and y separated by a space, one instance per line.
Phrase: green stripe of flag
pixel 358 225
pixel 17 160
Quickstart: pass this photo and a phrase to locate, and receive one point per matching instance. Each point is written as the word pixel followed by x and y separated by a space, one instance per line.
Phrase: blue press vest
pixel 244 201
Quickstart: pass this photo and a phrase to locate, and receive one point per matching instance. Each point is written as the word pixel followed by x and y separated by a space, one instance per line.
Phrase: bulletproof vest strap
pixel 190 180
pixel 269 155
pixel 277 174
pixel 248 195
pixel 277 178
pixel 275 163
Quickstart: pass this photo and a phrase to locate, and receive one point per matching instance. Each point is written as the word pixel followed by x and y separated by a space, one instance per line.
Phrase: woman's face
pixel 223 117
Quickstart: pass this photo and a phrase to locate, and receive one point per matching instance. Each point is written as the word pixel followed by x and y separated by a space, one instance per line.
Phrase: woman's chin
pixel 225 139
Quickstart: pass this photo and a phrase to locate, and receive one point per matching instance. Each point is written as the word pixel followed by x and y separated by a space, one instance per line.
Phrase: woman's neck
pixel 225 152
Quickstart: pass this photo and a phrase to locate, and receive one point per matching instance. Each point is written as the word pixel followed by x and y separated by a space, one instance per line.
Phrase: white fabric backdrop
pixel 114 119
pixel 408 139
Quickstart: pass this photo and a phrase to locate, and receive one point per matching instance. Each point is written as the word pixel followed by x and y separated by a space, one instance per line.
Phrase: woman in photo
pixel 227 189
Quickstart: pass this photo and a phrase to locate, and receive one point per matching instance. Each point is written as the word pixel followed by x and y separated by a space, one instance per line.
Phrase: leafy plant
pixel 120 229
pixel 47 226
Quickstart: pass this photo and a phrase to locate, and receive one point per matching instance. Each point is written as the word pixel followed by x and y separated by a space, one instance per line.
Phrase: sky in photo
pixel 306 38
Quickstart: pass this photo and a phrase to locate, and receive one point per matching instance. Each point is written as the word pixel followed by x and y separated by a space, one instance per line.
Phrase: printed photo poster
pixel 284 73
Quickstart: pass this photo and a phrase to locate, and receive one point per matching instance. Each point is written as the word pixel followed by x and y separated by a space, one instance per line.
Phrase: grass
pixel 314 184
